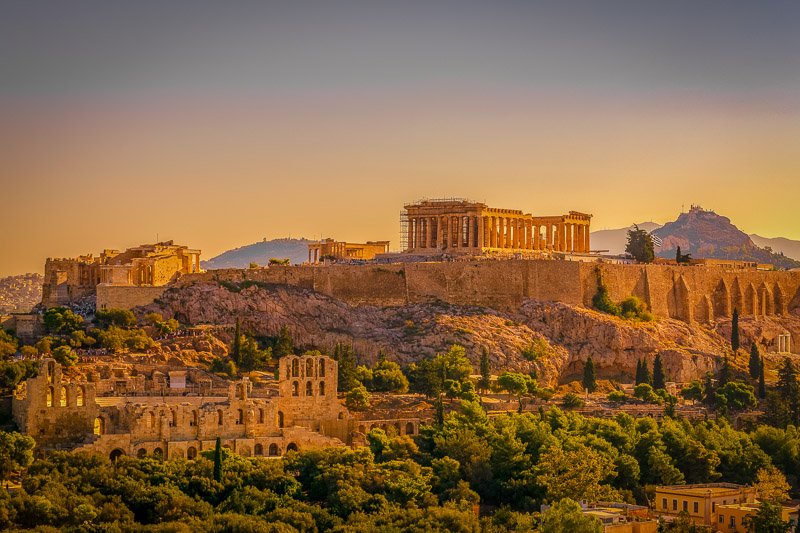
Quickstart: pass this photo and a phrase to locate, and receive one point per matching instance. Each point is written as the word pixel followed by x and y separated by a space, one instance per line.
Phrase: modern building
pixel 702 501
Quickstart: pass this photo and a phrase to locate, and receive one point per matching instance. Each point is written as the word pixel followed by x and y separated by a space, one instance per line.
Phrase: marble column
pixel 587 243
pixel 484 232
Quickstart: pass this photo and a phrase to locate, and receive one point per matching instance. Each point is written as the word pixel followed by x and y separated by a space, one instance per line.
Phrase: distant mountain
pixel 614 240
pixel 296 250
pixel 779 245
pixel 705 234
pixel 18 294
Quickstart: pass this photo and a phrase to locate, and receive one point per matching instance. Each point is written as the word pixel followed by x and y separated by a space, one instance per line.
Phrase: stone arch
pixel 321 368
pixel 766 300
pixel 362 429
pixel 258 450
pixel 49 399
pixel 292 447
pixel 239 417
pixel 295 388
pixel 191 453
pixel 309 368
pixel 681 300
pixel 274 450
pixel 141 453
pixel 722 300
pixel 737 298
pixel 295 368
pixel 158 453
pixel 705 310
pixel 99 426
pixel 80 396
pixel 51 371
pixel 751 300
pixel 322 388
pixel 309 389
pixel 409 428
pixel 280 419
pixel 115 454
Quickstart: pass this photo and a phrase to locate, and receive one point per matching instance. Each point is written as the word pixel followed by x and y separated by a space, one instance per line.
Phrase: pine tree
pixel 724 372
pixel 589 378
pixel 438 416
pixel 659 380
pixel 709 389
pixel 236 350
pixel 283 345
pixel 755 361
pixel 762 386
pixel 218 461
pixel 485 371
pixel 735 331
pixel 789 390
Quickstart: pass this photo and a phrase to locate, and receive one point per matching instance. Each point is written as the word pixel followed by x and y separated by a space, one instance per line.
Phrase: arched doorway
pixel 292 447
pixel 273 450
pixel 115 454
pixel 191 453
pixel 99 426
pixel 158 453
pixel 258 449
pixel 409 429
pixel 141 453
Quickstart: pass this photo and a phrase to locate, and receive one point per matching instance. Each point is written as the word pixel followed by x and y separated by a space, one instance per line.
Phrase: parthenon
pixel 458 226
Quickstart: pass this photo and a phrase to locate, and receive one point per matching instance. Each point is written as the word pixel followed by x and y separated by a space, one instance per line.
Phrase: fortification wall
pixel 690 293
pixel 126 296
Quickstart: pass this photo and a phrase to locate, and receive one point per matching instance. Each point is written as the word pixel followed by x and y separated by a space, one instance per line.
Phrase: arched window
pixel 258 449
pixel 322 388
pixel 141 453
pixel 116 453
pixel 322 368
pixel 295 388
pixel 63 402
pixel 295 368
pixel 151 420
pixel 239 417
pixel 288 372
pixel 240 391
pixel 99 426
pixel 273 450
pixel 51 370
pixel 409 429
pixel 292 447
pixel 80 395
pixel 309 389
pixel 158 453
pixel 193 420
pixel 260 416
pixel 219 417
pixel 49 396
pixel 280 419
pixel 191 453
pixel 309 368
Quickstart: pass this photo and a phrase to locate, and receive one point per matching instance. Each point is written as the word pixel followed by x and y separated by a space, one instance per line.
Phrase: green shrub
pixel 572 401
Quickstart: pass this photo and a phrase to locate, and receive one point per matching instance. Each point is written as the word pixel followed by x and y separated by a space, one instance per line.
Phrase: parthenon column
pixel 507 234
pixel 484 222
pixel 570 229
pixel 587 244
pixel 561 237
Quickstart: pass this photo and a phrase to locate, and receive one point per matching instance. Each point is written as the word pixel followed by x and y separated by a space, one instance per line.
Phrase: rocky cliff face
pixel 20 293
pixel 552 338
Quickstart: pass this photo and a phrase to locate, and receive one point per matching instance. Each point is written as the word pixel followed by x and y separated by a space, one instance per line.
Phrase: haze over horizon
pixel 217 125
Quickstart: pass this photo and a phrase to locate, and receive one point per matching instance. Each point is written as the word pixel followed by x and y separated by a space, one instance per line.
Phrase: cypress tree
pixel 678 255
pixel 589 378
pixel 438 416
pixel 283 346
pixel 708 389
pixel 236 350
pixel 218 461
pixel 735 331
pixel 485 371
pixel 638 378
pixel 659 380
pixel 642 372
pixel 762 386
pixel 755 361
pixel 789 389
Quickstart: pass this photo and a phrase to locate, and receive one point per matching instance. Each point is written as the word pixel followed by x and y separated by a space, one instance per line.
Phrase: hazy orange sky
pixel 220 124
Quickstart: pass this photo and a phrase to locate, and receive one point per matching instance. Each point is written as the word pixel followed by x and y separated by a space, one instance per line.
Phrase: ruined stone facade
pixel 165 414
pixel 328 248
pixel 149 265
pixel 461 227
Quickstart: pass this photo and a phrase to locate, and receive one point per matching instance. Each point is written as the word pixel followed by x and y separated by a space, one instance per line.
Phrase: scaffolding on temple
pixel 403 230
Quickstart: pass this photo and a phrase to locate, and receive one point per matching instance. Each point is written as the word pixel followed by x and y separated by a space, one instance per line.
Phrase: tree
pixel 283 345
pixel 122 318
pixel 737 396
pixel 642 372
pixel 8 344
pixel 61 321
pixel 693 391
pixel 237 345
pixel 486 375
pixel 251 357
pixel 572 401
pixel 357 398
pixel 566 516
pixel 762 385
pixel 16 452
pixel 517 384
pixel 771 485
pixel 645 392
pixel 789 390
pixel 767 520
pixel 601 300
pixel 755 361
pixel 387 377
pixel 65 356
pixel 589 381
pixel 346 359
pixel 429 375
pixel 724 371
pixel 682 259
pixel 640 245
pixel 558 474
pixel 218 461
pixel 659 380
pixel 735 331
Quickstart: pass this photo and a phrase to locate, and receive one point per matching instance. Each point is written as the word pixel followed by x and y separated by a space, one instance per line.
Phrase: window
pixel 239 417
pixel 685 506
pixel 295 388
pixel 322 368
pixel 280 419
pixel 309 368
pixel 309 389
pixel 322 388
pixel 713 507
pixel 219 417
pixel 99 426
pixel 273 450
pixel 295 368
pixel 258 449
pixel 696 507
pixel 80 395
pixel 664 503
pixel 674 505
pixel 260 416
pixel 49 396
pixel 722 519
pixel 193 420
pixel 191 453
pixel 733 522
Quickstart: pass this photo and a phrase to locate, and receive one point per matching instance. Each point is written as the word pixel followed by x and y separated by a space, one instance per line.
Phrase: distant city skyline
pixel 217 125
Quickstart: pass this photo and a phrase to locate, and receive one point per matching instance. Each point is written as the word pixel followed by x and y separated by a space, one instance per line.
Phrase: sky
pixel 219 124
